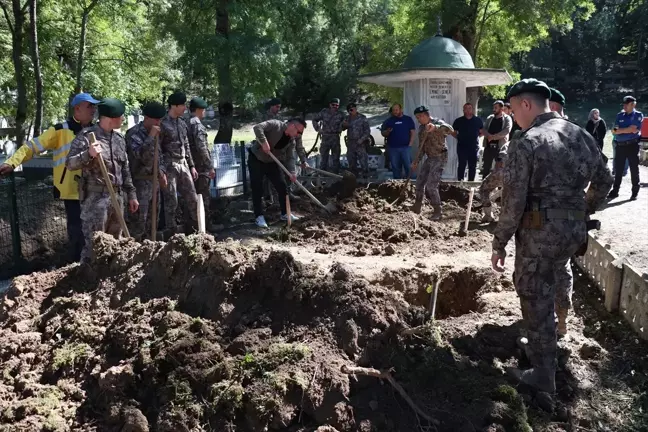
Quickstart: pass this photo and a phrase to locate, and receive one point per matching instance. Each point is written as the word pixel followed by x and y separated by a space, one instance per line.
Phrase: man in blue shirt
pixel 467 130
pixel 400 131
pixel 627 133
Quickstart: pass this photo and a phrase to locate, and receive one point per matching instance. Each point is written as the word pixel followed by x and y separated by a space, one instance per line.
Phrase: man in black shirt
pixel 498 126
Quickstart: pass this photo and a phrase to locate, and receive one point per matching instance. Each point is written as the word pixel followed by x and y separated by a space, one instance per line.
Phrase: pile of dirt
pixel 368 223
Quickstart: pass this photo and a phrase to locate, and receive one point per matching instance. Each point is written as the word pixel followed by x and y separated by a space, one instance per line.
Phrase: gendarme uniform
pixel 433 145
pixel 328 123
pixel 178 162
pixel 358 133
pixel 200 154
pixel 544 205
pixel 141 152
pixel 97 212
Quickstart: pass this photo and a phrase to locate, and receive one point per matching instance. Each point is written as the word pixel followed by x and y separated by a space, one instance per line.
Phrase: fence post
pixel 243 168
pixel 13 221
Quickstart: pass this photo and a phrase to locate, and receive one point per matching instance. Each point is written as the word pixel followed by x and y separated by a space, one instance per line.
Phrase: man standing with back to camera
pixel 544 205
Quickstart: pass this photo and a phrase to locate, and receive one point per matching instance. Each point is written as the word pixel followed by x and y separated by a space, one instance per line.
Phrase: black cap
pixel 274 101
pixel 110 107
pixel 529 85
pixel 177 98
pixel 154 110
pixel 629 99
pixel 335 101
pixel 499 102
pixel 420 110
pixel 351 105
pixel 557 96
pixel 197 103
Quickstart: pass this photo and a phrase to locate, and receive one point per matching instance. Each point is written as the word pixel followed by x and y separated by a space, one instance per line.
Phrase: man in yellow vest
pixel 57 140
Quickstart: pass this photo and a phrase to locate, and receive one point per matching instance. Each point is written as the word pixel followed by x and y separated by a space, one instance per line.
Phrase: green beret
pixel 110 107
pixel 197 103
pixel 335 101
pixel 177 98
pixel 154 110
pixel 557 96
pixel 274 101
pixel 420 110
pixel 529 85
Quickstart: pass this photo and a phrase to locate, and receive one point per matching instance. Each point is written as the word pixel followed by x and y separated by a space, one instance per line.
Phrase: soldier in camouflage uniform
pixel 97 212
pixel 272 113
pixel 493 181
pixel 432 143
pixel 328 123
pixel 178 163
pixel 140 145
pixel 544 205
pixel 200 154
pixel 358 133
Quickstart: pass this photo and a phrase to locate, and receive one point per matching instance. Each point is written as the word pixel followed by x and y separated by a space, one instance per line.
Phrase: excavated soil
pixel 194 335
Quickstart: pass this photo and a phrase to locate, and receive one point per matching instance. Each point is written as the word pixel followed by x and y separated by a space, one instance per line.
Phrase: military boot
pixel 417 205
pixel 562 313
pixel 437 213
pixel 488 215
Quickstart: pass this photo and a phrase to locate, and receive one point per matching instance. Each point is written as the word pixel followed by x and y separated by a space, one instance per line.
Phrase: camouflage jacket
pixel 358 128
pixel 328 122
pixel 140 147
pixel 113 152
pixel 550 164
pixel 174 142
pixel 433 144
pixel 199 146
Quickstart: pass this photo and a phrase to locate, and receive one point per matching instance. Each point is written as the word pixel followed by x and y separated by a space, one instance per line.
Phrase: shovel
pixel 329 208
pixel 403 194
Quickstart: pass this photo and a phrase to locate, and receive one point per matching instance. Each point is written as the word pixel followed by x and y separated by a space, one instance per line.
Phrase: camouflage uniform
pixel 97 212
pixel 494 179
pixel 358 133
pixel 433 145
pixel 330 128
pixel 177 161
pixel 203 160
pixel 544 205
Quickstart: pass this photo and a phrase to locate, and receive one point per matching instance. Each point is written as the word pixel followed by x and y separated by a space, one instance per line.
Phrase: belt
pixel 564 214
pixel 100 188
pixel 330 133
pixel 628 142
pixel 177 159
pixel 149 177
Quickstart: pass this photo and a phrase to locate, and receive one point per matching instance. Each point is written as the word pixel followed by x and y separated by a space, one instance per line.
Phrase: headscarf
pixel 594 122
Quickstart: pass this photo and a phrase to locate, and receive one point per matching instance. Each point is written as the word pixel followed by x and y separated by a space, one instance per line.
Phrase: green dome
pixel 439 52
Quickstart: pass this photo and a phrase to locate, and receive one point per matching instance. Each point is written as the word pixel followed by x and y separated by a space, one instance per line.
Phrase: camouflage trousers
pixel 357 152
pixel 541 257
pixel 564 286
pixel 202 188
pixel 179 180
pixel 429 177
pixel 489 184
pixel 98 214
pixel 330 145
pixel 139 223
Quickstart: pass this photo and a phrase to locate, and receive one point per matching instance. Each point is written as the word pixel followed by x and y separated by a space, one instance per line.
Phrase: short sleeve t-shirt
pixel 401 128
pixel 624 120
pixel 467 132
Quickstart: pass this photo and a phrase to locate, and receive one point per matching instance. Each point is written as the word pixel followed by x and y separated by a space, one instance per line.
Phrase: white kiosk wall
pixel 444 98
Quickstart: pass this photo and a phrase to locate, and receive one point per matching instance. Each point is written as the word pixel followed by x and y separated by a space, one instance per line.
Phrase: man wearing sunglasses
pixel 328 123
pixel 358 133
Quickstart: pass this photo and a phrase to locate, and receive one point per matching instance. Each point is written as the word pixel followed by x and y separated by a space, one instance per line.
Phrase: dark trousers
pixel 629 152
pixel 75 234
pixel 490 154
pixel 258 171
pixel 470 160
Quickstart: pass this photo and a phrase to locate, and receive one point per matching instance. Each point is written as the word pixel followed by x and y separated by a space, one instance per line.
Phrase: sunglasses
pixel 335 105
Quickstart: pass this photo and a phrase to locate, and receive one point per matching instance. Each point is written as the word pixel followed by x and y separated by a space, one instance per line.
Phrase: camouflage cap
pixel 557 96
pixel 197 103
pixel 154 110
pixel 529 85
pixel 420 110
pixel 110 107
pixel 177 98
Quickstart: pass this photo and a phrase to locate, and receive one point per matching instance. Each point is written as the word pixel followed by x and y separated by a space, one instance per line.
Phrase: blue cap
pixel 83 97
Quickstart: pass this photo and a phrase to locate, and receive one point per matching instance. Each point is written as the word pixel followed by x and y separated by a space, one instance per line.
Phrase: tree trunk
pixel 17 39
pixel 33 32
pixel 225 92
pixel 82 42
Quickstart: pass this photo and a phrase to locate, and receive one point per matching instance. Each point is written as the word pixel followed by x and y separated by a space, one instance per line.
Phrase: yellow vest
pixel 57 140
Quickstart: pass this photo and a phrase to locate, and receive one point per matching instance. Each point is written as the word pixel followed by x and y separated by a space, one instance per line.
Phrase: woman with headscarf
pixel 596 127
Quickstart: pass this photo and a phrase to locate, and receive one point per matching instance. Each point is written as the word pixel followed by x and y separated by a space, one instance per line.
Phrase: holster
pixel 590 224
pixel 532 218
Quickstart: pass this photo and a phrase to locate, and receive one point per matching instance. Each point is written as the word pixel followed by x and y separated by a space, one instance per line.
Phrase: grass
pixel 68 354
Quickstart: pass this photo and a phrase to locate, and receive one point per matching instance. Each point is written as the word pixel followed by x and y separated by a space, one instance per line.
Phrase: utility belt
pixel 143 177
pixel 330 133
pixel 628 142
pixel 101 188
pixel 535 218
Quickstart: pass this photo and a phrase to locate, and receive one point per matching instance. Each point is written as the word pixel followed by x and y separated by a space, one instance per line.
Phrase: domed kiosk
pixel 436 74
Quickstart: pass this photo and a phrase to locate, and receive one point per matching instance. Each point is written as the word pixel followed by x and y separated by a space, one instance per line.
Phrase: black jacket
pixel 598 133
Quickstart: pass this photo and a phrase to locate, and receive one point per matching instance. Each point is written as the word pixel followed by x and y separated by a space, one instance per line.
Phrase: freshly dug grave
pixel 194 335
pixel 367 223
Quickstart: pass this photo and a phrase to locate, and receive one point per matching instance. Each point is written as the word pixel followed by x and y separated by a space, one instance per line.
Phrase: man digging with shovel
pixel 97 210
